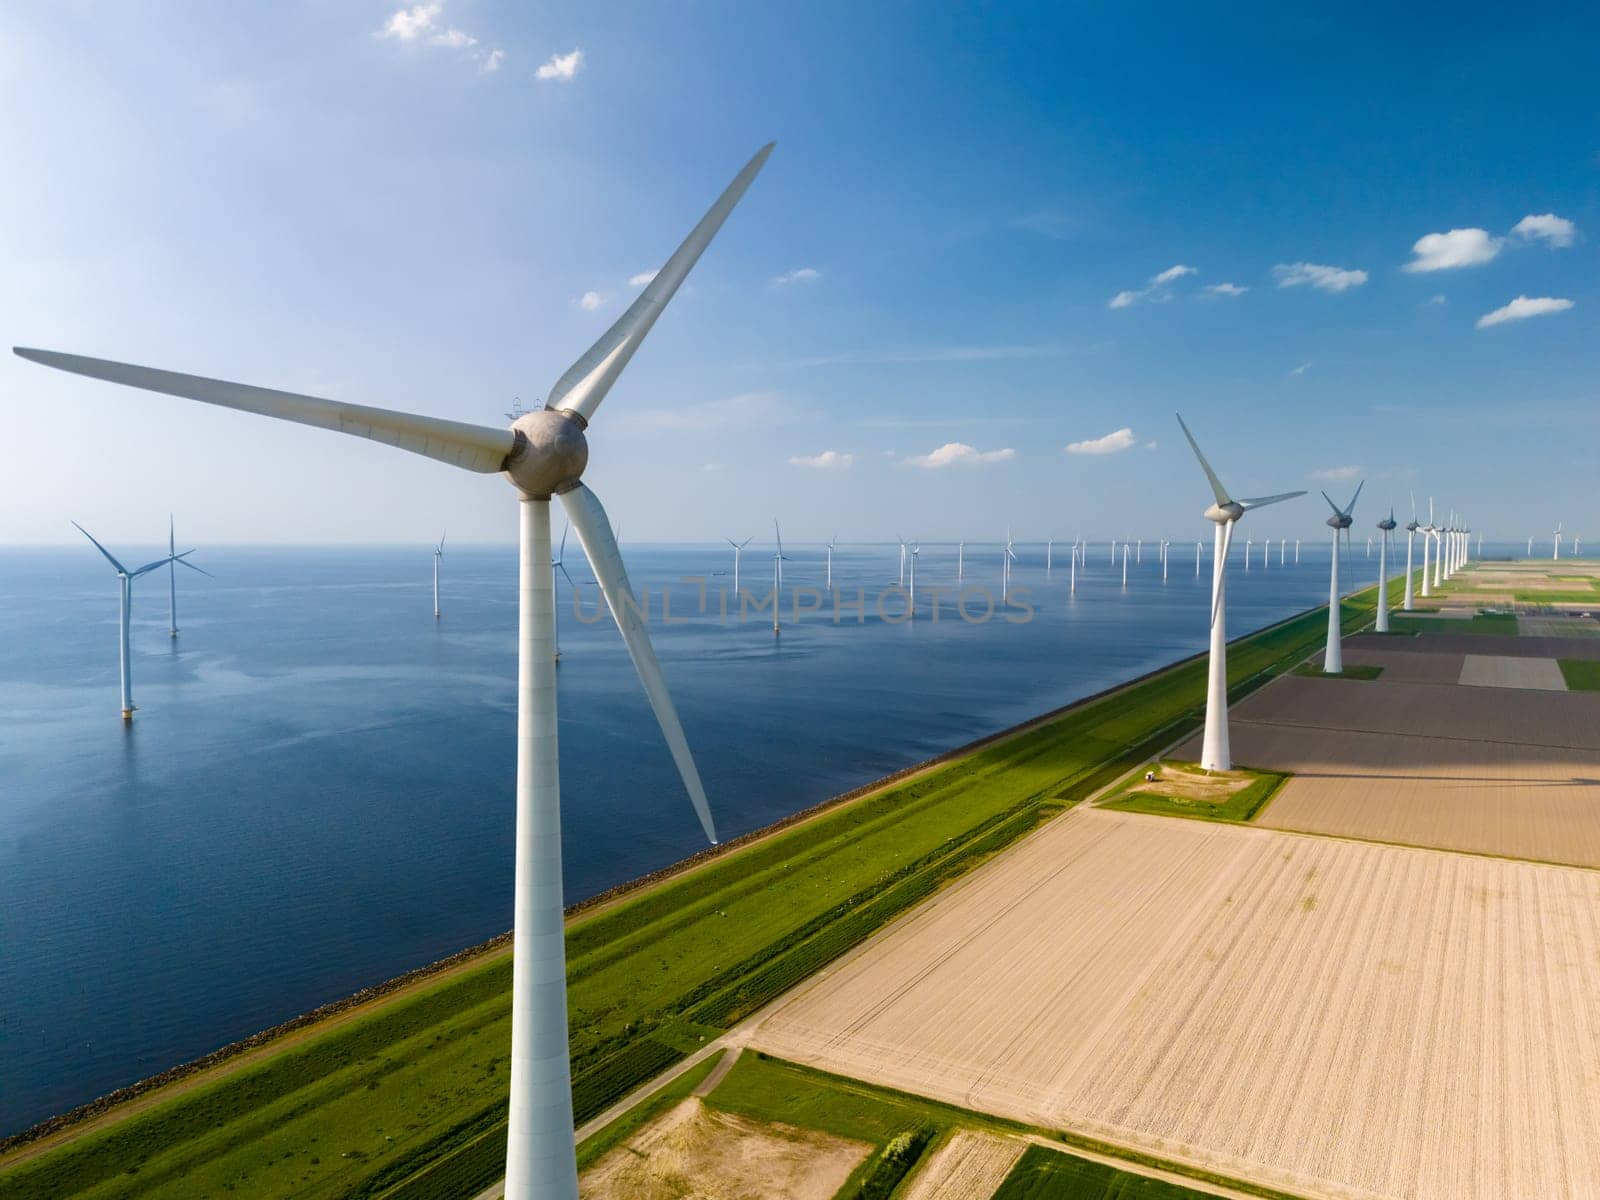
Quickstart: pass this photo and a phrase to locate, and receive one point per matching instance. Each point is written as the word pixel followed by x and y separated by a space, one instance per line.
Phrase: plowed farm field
pixel 1335 1018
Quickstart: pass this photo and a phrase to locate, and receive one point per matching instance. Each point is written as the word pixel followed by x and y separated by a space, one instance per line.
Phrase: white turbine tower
pixel 911 601
pixel 1164 560
pixel 1555 545
pixel 438 553
pixel 832 542
pixel 172 576
pixel 125 579
pixel 778 559
pixel 1124 566
pixel 1427 546
pixel 1049 554
pixel 1411 537
pixel 1248 542
pixel 902 542
pixel 1224 514
pixel 1333 658
pixel 542 454
pixel 1072 583
pixel 1388 526
pixel 961 561
pixel 738 549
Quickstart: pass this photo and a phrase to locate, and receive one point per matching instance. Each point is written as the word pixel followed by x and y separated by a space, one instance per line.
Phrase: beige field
pixel 693 1152
pixel 1506 671
pixel 1336 1018
pixel 969 1166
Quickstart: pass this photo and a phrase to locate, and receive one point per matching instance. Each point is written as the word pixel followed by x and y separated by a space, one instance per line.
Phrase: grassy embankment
pixel 358 1110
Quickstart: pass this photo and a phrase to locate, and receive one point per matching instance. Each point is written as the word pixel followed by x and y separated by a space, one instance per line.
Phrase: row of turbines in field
pixel 543 455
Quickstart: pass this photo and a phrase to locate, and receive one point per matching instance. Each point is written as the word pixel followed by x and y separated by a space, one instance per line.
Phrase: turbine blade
pixel 160 562
pixel 1217 490
pixel 587 381
pixel 471 447
pixel 184 562
pixel 1263 501
pixel 594 532
pixel 1351 507
pixel 561 554
pixel 1337 510
pixel 778 533
pixel 1227 544
pixel 100 548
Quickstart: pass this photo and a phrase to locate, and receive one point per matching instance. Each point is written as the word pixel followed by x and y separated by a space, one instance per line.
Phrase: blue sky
pixel 316 197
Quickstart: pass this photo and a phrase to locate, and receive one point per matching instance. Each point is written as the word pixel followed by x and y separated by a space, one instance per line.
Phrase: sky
pixel 994 250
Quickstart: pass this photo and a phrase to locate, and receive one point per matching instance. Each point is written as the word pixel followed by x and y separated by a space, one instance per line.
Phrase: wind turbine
pixel 542 454
pixel 1333 658
pixel 172 578
pixel 1297 547
pixel 961 561
pixel 1555 551
pixel 1009 557
pixel 902 542
pixel 1369 548
pixel 438 553
pixel 1072 583
pixel 832 542
pixel 1388 526
pixel 1411 537
pixel 1248 542
pixel 1197 560
pixel 1049 553
pixel 1224 514
pixel 557 563
pixel 125 579
pixel 1163 560
pixel 1124 566
pixel 1428 543
pixel 778 560
pixel 1282 549
pixel 911 604
pixel 738 549
pixel 1138 551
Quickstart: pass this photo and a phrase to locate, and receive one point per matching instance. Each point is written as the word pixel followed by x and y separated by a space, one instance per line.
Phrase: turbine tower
pixel 832 542
pixel 1427 545
pixel 125 580
pixel 1224 514
pixel 902 542
pixel 911 602
pixel 1333 658
pixel 778 560
pixel 1411 537
pixel 542 454
pixel 1387 525
pixel 438 553
pixel 1555 546
pixel 738 549
pixel 961 561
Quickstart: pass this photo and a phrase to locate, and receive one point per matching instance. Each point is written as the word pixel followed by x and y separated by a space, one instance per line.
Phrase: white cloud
pixel 590 301
pixel 408 24
pixel 1226 289
pixel 1158 287
pixel 1522 308
pixel 1557 231
pixel 798 275
pixel 1301 369
pixel 1437 299
pixel 1448 251
pixel 1336 474
pixel 828 460
pixel 1151 445
pixel 959 454
pixel 422 23
pixel 561 66
pixel 1327 279
pixel 1111 443
pixel 642 278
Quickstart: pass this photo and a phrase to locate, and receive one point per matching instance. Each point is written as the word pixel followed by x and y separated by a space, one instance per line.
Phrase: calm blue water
pixel 316 794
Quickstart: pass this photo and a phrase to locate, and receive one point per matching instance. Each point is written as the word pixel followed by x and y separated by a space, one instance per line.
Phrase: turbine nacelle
pixel 1223 513
pixel 550 454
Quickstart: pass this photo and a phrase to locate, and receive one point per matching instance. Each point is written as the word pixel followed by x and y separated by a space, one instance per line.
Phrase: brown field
pixel 1337 1018
pixel 1446 642
pixel 692 1151
pixel 1449 714
pixel 1484 797
pixel 969 1166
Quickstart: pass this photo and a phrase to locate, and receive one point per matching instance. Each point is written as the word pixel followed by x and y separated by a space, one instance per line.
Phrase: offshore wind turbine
pixel 172 577
pixel 1411 537
pixel 738 549
pixel 1124 566
pixel 1248 542
pixel 542 454
pixel 1006 559
pixel 1387 525
pixel 1072 583
pixel 778 560
pixel 833 541
pixel 125 580
pixel 1049 548
pixel 961 561
pixel 438 553
pixel 1333 658
pixel 911 603
pixel 1197 559
pixel 1224 514
pixel 1163 560
pixel 902 542
pixel 557 563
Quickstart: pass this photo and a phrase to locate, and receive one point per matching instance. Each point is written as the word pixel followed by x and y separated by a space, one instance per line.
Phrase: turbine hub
pixel 1223 513
pixel 1339 521
pixel 550 454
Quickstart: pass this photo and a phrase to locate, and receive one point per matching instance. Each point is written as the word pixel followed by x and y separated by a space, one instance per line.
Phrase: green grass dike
pixel 412 1086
